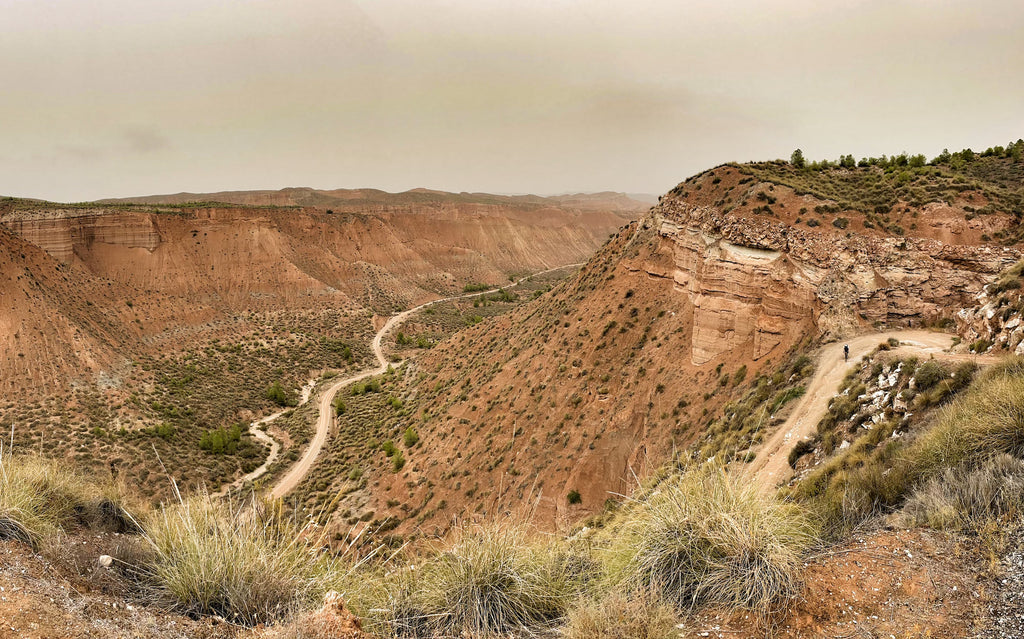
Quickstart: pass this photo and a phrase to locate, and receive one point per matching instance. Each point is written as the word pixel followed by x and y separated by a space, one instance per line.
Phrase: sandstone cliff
pixel 757 283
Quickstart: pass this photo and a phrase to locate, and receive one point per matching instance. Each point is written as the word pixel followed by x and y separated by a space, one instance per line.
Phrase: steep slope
pixel 61 322
pixel 232 260
pixel 140 337
pixel 561 405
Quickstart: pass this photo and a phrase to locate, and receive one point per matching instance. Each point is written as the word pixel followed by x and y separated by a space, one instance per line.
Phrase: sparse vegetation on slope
pixel 889 461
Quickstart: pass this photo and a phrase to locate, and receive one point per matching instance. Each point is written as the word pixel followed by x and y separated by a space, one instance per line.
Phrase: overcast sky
pixel 106 98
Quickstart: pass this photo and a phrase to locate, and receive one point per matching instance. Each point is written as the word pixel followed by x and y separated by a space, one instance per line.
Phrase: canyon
pixel 459 381
pixel 627 364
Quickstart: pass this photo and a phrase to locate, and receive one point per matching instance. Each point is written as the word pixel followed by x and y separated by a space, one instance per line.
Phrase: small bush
pixel 249 566
pixel 277 394
pixel 739 375
pixel 410 437
pixel 981 345
pixel 221 441
pixel 574 497
pixel 803 447
pixel 963 499
pixel 708 537
pixel 929 374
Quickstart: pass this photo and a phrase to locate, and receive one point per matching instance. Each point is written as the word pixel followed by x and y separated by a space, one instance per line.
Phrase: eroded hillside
pixel 134 326
pixel 558 407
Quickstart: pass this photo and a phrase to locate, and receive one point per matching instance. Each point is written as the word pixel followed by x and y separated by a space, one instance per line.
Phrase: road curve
pixel 275 447
pixel 771 465
pixel 323 425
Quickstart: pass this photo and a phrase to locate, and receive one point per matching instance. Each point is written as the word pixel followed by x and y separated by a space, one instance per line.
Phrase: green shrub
pixel 221 440
pixel 739 375
pixel 803 447
pixel 574 497
pixel 708 537
pixel 981 345
pixel 397 461
pixel 339 406
pixel 929 374
pixel 277 394
pixel 410 437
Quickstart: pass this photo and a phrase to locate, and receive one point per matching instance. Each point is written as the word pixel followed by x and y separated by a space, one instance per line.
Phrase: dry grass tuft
pixel 247 563
pixel 711 538
pixel 619 616
pixel 487 582
pixel 40 499
pixel 963 499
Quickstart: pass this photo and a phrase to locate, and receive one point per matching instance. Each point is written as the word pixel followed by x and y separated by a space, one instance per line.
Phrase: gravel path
pixel 771 466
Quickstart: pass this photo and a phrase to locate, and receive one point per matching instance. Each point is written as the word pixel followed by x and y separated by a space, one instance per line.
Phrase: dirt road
pixel 771 466
pixel 326 417
pixel 256 430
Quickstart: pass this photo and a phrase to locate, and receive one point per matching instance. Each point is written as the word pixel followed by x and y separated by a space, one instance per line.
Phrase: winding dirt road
pixel 323 425
pixel 275 447
pixel 771 466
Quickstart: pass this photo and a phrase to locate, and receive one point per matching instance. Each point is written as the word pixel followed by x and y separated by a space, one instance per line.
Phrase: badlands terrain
pixel 499 416
pixel 129 325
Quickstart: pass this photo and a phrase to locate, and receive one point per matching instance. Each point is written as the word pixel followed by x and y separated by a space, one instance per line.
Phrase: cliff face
pixel 62 233
pixel 243 258
pixel 757 284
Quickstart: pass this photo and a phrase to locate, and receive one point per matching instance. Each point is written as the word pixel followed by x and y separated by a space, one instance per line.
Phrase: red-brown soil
pixel 913 584
pixel 109 281
pixel 594 385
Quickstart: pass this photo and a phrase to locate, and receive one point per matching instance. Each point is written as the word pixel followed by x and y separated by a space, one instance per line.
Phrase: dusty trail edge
pixel 771 465
pixel 323 425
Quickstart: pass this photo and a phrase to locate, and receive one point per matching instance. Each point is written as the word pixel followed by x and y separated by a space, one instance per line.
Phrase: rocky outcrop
pixel 760 284
pixel 61 235
pixel 994 323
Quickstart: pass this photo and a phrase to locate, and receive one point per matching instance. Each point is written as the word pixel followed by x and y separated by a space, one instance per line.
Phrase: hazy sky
pixel 105 98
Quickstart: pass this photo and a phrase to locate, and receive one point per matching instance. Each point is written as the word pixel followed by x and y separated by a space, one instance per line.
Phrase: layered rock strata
pixel 762 283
